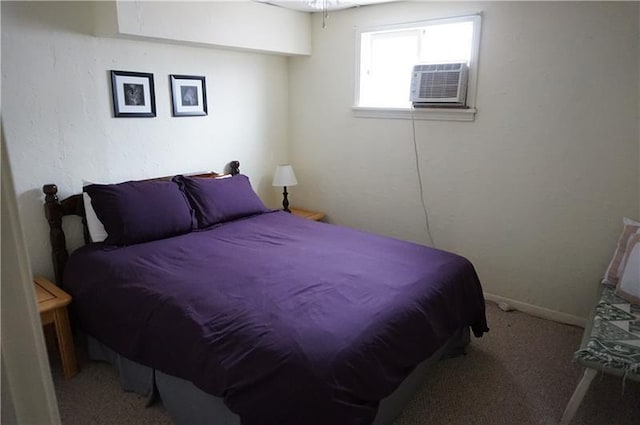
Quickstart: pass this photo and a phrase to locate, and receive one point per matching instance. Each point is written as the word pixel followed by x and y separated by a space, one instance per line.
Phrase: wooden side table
pixel 52 305
pixel 309 215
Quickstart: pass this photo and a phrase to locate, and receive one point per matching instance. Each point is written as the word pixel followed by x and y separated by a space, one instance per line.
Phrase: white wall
pixel 58 115
pixel 533 191
pixel 235 24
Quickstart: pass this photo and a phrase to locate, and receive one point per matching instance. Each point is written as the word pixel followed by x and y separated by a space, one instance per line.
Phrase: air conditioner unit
pixel 440 84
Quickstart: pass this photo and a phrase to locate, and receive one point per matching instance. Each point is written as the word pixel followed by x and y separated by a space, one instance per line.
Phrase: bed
pixel 253 316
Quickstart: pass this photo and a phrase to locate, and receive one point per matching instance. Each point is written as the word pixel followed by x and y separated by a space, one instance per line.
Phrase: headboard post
pixel 234 168
pixel 53 212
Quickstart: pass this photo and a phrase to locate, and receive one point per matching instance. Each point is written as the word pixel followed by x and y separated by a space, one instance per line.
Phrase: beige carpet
pixel 520 373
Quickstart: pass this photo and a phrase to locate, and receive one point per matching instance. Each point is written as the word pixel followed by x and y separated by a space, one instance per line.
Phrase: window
pixel 388 54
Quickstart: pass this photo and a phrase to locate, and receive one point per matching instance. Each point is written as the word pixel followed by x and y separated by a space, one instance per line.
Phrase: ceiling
pixel 318 5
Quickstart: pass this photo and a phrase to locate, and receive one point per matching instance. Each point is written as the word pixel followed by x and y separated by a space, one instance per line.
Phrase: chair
pixel 611 344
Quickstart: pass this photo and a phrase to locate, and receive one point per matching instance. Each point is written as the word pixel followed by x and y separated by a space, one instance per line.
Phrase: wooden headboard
pixel 54 210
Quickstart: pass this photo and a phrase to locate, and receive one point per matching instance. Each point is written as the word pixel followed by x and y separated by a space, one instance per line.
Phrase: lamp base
pixel 285 200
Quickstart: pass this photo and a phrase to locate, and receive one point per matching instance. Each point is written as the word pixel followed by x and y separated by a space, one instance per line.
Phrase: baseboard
pixel 537 311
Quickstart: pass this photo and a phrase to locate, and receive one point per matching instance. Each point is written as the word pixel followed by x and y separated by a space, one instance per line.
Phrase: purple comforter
pixel 292 322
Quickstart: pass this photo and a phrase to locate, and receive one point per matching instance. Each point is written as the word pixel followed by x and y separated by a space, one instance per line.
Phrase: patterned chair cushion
pixel 612 341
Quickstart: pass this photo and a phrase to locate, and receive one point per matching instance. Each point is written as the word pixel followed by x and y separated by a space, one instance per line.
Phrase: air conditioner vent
pixel 444 83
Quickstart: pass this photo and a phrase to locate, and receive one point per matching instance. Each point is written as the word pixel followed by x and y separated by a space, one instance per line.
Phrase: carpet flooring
pixel 520 373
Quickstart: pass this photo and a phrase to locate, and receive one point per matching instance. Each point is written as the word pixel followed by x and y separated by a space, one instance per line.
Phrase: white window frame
pixel 443 114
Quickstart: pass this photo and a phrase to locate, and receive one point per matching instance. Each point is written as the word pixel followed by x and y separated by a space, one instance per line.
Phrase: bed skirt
pixel 189 405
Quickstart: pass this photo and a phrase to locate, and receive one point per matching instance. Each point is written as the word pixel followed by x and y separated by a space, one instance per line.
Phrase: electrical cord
pixel 419 174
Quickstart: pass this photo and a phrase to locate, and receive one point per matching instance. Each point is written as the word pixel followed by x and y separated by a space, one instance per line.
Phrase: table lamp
pixel 285 177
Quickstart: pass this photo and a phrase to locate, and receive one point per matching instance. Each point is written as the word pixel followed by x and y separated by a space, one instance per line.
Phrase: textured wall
pixel 236 24
pixel 58 120
pixel 533 191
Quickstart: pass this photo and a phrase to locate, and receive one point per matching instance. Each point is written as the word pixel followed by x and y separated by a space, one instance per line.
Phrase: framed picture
pixel 133 94
pixel 188 95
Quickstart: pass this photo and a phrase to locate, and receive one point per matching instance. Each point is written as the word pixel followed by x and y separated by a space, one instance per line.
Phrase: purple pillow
pixel 140 211
pixel 219 200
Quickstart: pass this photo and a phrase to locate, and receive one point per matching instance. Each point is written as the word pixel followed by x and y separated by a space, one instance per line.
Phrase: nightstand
pixel 52 305
pixel 309 215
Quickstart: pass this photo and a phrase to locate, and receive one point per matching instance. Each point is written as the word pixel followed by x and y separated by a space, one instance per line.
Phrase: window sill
pixel 433 114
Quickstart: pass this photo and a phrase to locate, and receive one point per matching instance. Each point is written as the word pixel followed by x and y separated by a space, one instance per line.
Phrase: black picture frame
pixel 188 95
pixel 133 94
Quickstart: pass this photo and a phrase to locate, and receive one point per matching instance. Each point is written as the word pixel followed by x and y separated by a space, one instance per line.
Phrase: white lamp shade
pixel 284 176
